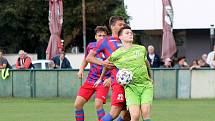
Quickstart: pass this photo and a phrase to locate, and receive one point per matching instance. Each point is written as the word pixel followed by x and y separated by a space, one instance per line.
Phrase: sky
pixel 188 14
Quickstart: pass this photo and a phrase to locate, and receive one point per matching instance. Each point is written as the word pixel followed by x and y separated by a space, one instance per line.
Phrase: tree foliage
pixel 24 23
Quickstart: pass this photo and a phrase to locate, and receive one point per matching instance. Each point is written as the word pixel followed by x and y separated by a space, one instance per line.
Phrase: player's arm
pixel 91 58
pixel 81 70
pixel 104 70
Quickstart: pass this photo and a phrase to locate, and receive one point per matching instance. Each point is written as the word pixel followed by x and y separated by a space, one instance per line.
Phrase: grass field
pixel 13 109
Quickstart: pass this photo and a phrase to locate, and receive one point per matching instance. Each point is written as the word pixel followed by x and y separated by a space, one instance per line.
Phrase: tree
pixel 24 23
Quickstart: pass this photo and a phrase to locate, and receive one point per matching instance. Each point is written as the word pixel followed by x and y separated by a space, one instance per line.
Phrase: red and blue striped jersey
pixel 107 46
pixel 95 70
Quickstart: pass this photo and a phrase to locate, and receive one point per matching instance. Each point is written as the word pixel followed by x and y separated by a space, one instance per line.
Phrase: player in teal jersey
pixel 139 92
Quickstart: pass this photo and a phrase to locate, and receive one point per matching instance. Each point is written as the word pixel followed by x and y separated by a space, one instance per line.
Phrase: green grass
pixel 13 109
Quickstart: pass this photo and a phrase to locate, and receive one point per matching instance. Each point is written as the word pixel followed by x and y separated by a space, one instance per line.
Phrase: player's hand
pixel 107 82
pixel 107 64
pixel 80 74
pixel 97 82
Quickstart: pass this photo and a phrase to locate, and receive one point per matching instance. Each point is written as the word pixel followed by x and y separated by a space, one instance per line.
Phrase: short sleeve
pixel 100 46
pixel 89 47
pixel 113 56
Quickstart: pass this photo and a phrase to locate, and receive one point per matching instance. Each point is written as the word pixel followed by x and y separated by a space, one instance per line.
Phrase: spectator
pixel 202 63
pixel 3 61
pixel 181 63
pixel 152 57
pixel 23 61
pixel 204 57
pixel 167 63
pixel 195 65
pixel 51 64
pixel 60 61
pixel 211 58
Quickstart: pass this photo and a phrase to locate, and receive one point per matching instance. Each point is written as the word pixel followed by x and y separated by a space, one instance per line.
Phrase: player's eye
pixel 100 35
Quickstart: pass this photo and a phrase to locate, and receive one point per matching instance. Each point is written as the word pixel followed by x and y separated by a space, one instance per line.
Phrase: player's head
pixel 125 34
pixel 101 32
pixel 116 23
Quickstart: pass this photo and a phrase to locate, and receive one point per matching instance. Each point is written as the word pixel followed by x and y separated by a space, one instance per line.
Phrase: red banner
pixel 55 27
pixel 168 41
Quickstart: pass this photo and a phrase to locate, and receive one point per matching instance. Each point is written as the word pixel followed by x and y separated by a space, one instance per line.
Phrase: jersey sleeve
pixel 114 56
pixel 100 46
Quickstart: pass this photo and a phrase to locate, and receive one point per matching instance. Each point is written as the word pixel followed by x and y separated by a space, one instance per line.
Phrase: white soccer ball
pixel 124 76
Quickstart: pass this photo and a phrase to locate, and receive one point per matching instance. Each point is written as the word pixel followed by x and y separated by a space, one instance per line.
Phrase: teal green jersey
pixel 133 59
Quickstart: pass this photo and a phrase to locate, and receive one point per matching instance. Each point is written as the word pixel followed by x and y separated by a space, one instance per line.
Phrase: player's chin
pixel 131 41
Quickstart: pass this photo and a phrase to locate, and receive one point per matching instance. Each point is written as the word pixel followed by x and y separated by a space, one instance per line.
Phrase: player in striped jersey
pixel 108 46
pixel 88 89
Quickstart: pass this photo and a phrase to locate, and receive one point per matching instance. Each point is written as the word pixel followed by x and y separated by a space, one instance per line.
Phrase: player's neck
pixel 114 35
pixel 127 45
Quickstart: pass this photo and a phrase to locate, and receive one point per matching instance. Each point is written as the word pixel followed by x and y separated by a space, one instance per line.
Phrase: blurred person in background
pixel 195 65
pixel 23 61
pixel 181 63
pixel 152 57
pixel 3 61
pixel 211 58
pixel 203 63
pixel 203 60
pixel 60 61
pixel 167 63
pixel 204 57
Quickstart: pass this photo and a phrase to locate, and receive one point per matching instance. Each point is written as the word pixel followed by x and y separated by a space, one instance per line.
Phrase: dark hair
pixel 63 52
pixel 124 27
pixel 113 19
pixel 181 57
pixel 2 51
pixel 101 29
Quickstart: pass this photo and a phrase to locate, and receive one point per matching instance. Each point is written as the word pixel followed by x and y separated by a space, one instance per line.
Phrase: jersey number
pixel 120 97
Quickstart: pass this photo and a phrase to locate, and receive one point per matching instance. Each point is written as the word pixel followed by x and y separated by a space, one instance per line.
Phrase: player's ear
pixel 96 37
pixel 120 37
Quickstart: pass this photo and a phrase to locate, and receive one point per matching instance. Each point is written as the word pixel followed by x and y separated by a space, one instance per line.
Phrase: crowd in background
pixel 155 61
pixel 25 62
pixel 205 61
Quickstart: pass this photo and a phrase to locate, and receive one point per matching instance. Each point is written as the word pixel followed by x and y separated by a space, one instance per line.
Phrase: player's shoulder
pixel 104 40
pixel 112 38
pixel 91 44
pixel 139 46
pixel 117 51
